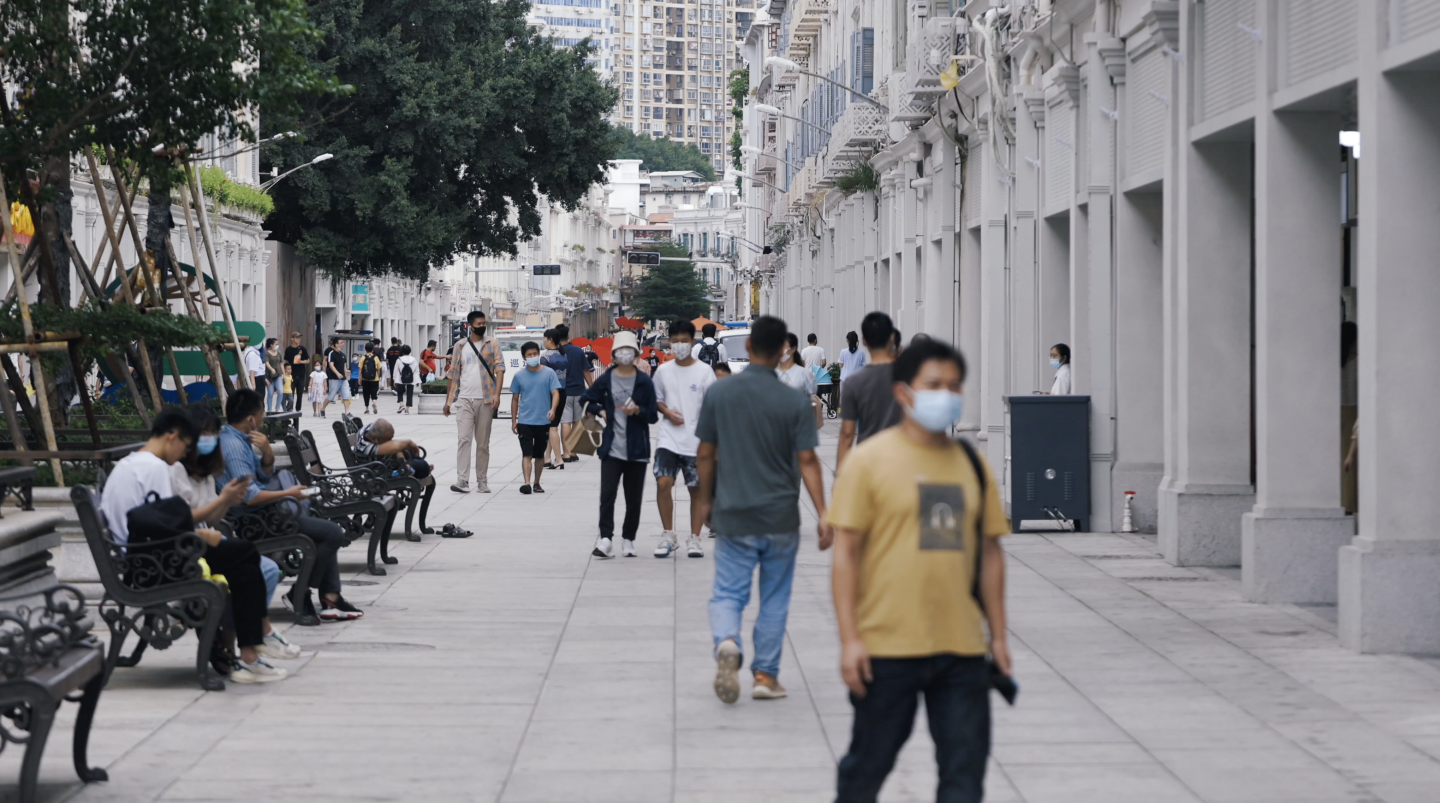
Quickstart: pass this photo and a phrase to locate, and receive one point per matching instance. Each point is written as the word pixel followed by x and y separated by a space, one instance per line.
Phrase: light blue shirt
pixel 852 361
pixel 533 388
pixel 240 460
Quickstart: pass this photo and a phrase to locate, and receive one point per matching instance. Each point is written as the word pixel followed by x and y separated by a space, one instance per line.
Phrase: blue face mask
pixel 936 410
pixel 1054 363
pixel 207 443
pixel 532 361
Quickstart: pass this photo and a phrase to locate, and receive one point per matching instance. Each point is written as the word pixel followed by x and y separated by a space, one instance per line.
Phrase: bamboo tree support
pixel 41 400
pixel 199 199
pixel 31 261
pixel 73 350
pixel 17 435
pixel 223 387
pixel 114 238
pixel 17 389
pixel 217 373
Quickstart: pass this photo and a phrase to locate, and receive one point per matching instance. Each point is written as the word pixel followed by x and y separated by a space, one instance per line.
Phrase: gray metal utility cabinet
pixel 1050 459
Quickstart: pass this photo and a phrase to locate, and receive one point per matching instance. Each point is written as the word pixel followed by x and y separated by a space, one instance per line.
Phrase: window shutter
pixel 867 60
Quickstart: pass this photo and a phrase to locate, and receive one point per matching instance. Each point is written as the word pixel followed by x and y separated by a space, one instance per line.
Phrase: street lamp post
pixel 317 160
pixel 765 108
pixel 754 151
pixel 787 64
pixel 730 175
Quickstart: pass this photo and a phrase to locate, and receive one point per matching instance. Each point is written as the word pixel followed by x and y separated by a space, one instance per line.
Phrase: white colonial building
pixel 1160 185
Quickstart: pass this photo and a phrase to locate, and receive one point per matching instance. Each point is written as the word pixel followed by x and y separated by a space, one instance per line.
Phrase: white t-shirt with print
pixel 682 389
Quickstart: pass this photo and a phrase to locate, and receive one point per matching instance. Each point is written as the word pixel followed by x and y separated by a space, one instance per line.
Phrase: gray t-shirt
pixel 758 425
pixel 868 397
pixel 620 389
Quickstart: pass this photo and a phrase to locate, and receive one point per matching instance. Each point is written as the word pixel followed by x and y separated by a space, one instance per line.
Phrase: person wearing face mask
pixel 173 434
pixel 1060 362
pixel 792 372
pixel 680 387
pixel 534 404
pixel 477 373
pixel 193 479
pixel 553 358
pixel 626 398
pixel 249 456
pixel 910 510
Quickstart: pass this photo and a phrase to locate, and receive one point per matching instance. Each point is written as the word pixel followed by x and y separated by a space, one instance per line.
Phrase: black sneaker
pixel 339 610
pixel 307 615
pixel 525 489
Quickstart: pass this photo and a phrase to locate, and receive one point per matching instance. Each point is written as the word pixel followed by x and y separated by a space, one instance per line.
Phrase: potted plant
pixel 432 397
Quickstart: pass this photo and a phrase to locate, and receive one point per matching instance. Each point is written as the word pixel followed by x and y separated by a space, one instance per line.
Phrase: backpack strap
pixel 979 521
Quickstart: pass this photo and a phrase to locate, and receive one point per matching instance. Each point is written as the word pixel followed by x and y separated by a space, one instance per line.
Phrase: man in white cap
pixel 626 399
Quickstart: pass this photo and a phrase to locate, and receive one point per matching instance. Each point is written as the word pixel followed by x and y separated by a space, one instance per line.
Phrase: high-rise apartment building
pixel 672 62
pixel 571 21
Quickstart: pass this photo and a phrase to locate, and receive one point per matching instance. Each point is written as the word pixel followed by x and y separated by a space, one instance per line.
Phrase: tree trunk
pixel 158 223
pixel 55 225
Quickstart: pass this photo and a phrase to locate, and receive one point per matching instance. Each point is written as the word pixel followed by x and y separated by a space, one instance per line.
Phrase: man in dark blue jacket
pixel 626 399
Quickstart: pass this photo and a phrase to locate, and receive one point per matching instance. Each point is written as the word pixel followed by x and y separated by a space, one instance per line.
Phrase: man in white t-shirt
pixel 680 386
pixel 813 354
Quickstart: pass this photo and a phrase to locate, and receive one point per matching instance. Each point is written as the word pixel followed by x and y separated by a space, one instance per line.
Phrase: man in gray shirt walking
pixel 757 441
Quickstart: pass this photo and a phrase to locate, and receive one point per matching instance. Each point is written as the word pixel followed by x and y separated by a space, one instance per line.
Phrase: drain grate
pixel 362 582
pixel 1120 557
pixel 372 646
pixel 1175 579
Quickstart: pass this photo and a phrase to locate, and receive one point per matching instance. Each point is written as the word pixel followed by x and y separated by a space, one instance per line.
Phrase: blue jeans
pixel 736 557
pixel 957 703
pixel 274 395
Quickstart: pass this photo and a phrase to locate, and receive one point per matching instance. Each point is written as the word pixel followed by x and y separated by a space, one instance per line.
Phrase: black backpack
pixel 367 368
pixel 407 374
pixel 709 354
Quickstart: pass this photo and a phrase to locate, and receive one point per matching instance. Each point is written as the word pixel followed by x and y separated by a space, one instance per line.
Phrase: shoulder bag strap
pixel 979 520
pixel 481 358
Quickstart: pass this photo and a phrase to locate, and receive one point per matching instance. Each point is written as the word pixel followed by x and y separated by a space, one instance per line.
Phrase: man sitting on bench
pixel 377 439
pixel 248 456
pixel 148 471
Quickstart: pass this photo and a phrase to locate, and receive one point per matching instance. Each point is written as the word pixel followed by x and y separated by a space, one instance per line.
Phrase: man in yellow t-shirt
pixel 909 512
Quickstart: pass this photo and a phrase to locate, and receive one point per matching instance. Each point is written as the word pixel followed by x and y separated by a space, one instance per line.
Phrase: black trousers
pixel 957 703
pixel 369 390
pixel 405 394
pixel 328 537
pixel 240 563
pixel 612 472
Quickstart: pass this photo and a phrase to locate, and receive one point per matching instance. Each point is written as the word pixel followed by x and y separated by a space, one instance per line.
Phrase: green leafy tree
pixel 134 77
pixel 462 117
pixel 671 290
pixel 660 154
pixel 739 88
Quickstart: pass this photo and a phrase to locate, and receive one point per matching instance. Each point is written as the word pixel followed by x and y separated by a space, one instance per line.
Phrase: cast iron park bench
pixel 275 531
pixel 400 478
pixel 47 656
pixel 156 590
pixel 355 498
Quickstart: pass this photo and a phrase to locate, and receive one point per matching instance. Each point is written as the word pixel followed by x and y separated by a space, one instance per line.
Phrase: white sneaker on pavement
pixel 275 646
pixel 727 671
pixel 258 672
pixel 483 488
pixel 667 545
pixel 692 547
pixel 627 547
pixel 603 548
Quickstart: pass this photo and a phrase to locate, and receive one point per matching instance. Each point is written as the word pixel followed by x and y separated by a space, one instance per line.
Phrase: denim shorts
pixel 669 464
pixel 340 389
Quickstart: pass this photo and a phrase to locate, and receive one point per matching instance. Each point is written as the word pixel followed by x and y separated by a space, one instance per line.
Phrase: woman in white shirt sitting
pixel 193 479
pixel 1060 361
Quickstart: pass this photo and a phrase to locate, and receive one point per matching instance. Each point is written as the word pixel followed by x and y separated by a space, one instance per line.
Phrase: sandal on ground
pixel 452 531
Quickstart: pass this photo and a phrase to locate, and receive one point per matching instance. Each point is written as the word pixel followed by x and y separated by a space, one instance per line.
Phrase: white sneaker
pixel 627 547
pixel 603 548
pixel 276 646
pixel 667 545
pixel 258 672
pixel 692 547
pixel 727 671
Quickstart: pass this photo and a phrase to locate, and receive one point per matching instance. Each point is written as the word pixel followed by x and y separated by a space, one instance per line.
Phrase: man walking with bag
pixel 477 372
pixel 917 521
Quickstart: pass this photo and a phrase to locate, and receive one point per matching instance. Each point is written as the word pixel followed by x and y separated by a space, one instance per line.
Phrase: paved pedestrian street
pixel 514 667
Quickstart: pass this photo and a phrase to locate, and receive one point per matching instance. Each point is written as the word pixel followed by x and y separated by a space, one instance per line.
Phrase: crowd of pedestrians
pixel 915 516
